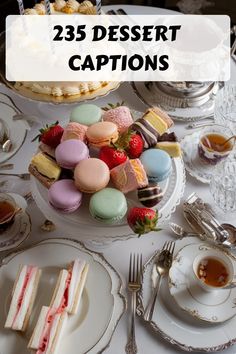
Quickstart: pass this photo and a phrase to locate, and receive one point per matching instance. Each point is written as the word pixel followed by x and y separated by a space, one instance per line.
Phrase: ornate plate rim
pixel 103 261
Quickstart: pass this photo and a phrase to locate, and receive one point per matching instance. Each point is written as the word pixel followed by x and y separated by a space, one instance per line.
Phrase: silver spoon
pixel 8 166
pixel 6 146
pixel 161 267
pixel 24 176
pixel 179 231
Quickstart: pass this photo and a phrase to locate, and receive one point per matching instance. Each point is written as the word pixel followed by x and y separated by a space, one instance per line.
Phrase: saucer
pixel 193 164
pixel 19 230
pixel 17 129
pixel 214 307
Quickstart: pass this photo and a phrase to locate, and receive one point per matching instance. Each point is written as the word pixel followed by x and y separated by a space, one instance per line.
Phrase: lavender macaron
pixel 70 152
pixel 64 196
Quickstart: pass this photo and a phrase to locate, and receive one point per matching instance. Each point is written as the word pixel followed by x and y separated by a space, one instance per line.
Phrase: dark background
pixel 227 7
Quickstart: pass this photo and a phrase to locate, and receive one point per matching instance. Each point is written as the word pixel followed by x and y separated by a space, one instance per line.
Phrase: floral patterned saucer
pixel 216 306
pixel 19 230
pixel 195 167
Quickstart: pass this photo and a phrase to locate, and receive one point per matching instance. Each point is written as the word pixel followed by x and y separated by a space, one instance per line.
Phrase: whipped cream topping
pixel 72 5
pixel 59 4
pixel 31 12
pixel 40 8
pixel 76 88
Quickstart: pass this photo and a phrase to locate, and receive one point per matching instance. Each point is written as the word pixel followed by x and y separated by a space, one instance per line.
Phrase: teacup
pixel 212 146
pixel 8 210
pixel 213 270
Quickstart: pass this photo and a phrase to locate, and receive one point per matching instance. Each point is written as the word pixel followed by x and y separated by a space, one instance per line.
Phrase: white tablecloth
pixel 118 252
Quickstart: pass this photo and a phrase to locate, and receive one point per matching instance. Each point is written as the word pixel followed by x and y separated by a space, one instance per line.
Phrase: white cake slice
pixel 70 286
pixel 48 331
pixel 23 296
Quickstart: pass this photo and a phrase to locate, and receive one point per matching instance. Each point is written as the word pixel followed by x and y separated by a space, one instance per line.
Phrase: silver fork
pixel 24 176
pixel 162 265
pixel 134 285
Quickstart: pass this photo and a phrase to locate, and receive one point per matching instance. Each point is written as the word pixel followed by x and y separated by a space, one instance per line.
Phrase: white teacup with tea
pixel 214 270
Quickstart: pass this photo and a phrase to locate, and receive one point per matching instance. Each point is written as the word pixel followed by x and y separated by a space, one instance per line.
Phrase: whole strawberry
pixel 112 156
pixel 50 135
pixel 132 143
pixel 142 220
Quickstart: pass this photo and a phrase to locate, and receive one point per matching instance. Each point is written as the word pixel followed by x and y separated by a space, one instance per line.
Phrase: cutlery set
pixel 161 268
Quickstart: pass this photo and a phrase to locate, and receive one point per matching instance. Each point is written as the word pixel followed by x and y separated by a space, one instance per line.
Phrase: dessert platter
pixel 57 92
pixel 47 317
pixel 89 174
pixel 185 328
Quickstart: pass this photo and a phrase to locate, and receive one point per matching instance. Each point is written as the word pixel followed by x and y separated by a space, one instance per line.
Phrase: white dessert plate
pixel 19 231
pixel 175 325
pixel 101 233
pixel 17 129
pixel 213 307
pixel 193 164
pixel 100 309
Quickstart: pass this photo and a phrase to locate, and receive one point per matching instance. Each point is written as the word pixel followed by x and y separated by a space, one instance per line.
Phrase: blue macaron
pixel 157 164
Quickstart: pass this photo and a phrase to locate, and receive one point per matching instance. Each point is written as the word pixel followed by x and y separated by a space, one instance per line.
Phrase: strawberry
pixel 132 143
pixel 50 135
pixel 112 156
pixel 142 220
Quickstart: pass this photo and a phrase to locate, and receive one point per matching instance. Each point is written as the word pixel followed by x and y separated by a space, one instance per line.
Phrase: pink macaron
pixel 64 196
pixel 121 116
pixel 70 152
pixel 91 175
pixel 74 131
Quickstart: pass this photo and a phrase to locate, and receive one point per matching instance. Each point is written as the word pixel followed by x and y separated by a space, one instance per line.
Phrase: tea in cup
pixel 213 269
pixel 213 146
pixel 8 210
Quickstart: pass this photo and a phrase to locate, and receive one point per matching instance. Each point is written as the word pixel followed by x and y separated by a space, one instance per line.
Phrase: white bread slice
pixel 17 319
pixel 74 299
pixel 54 330
pixel 59 289
pixel 78 270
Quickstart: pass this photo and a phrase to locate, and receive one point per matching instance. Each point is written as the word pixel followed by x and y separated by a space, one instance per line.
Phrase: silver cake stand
pixel 183 101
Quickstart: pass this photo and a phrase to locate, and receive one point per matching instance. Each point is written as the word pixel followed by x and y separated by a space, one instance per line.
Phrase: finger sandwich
pixel 69 287
pixel 23 296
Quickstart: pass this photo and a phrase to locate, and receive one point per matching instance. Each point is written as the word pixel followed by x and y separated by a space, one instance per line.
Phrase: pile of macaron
pixel 106 154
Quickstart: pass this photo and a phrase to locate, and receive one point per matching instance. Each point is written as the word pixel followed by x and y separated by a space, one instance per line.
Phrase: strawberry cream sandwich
pixel 23 296
pixel 69 287
pixel 47 333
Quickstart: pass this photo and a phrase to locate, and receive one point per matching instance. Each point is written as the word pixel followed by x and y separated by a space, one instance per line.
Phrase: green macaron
pixel 108 205
pixel 86 114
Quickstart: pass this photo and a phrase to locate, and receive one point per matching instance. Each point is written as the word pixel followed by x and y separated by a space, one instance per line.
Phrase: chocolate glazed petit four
pixel 150 195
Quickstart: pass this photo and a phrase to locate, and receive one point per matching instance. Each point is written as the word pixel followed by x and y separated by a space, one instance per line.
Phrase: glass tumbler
pixel 225 107
pixel 223 185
